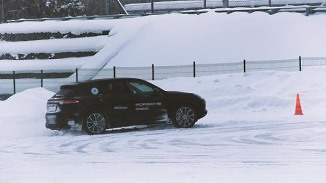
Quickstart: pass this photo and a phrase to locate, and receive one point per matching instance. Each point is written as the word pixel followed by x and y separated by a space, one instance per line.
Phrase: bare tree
pixel 16 9
pixel 94 7
pixel 2 12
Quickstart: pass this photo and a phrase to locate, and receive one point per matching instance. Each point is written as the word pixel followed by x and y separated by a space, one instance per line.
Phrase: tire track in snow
pixel 230 143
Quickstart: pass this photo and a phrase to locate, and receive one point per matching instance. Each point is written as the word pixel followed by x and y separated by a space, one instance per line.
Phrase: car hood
pixel 183 94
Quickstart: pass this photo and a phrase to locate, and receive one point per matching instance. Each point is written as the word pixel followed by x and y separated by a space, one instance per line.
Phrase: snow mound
pixel 28 102
pixel 22 115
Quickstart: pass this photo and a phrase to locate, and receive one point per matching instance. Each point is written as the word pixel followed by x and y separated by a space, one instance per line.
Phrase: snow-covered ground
pixel 249 135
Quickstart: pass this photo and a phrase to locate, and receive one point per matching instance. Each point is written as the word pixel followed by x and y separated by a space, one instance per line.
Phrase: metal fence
pixel 116 9
pixel 16 81
pixel 157 6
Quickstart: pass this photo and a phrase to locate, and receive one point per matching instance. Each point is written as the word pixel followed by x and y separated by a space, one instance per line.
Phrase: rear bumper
pixel 57 121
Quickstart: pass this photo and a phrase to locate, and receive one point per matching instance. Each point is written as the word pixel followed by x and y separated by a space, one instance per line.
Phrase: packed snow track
pixel 267 149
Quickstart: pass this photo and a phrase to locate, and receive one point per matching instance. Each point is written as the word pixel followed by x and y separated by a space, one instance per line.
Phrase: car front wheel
pixel 94 123
pixel 184 117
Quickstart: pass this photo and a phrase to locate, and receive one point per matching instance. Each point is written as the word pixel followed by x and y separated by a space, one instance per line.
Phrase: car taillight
pixel 54 105
pixel 69 102
pixel 63 102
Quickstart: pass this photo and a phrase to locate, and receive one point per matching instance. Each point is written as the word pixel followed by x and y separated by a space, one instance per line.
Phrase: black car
pixel 110 103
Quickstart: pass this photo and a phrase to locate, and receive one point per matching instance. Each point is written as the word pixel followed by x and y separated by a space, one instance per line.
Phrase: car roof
pixel 98 80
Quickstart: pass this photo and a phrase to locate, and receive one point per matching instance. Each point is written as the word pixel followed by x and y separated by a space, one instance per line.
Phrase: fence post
pixel 308 11
pixel 76 74
pixel 106 7
pixel 153 72
pixel 14 81
pixel 244 65
pixel 225 3
pixel 42 78
pixel 205 4
pixel 194 69
pixel 114 72
pixel 300 64
pixel 152 6
pixel 270 3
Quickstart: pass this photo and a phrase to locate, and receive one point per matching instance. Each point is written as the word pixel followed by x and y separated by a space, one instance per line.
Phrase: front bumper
pixel 202 113
pixel 202 110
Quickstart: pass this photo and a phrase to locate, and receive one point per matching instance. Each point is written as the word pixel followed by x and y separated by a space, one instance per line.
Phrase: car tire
pixel 94 123
pixel 184 117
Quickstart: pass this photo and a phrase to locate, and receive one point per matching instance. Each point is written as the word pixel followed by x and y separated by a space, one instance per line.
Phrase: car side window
pixel 118 88
pixel 140 88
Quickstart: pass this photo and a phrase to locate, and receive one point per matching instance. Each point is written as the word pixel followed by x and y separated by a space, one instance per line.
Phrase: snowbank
pixel 22 115
pixel 73 26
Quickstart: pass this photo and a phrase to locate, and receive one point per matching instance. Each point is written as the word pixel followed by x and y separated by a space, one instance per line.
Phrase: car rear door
pixel 119 103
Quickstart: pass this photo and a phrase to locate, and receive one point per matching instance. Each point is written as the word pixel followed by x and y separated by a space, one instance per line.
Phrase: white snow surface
pixel 250 134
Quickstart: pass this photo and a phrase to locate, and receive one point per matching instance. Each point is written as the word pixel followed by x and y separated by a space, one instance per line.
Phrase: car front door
pixel 149 106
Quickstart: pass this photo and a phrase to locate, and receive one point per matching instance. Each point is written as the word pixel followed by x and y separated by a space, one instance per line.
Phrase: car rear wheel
pixel 94 123
pixel 184 117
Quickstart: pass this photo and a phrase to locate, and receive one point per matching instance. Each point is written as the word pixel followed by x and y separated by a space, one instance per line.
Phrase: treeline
pixel 28 9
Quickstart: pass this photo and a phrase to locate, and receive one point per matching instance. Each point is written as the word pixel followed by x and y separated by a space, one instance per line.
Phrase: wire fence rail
pixel 12 82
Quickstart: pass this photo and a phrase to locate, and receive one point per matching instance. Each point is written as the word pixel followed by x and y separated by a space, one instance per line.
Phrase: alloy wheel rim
pixel 185 117
pixel 96 123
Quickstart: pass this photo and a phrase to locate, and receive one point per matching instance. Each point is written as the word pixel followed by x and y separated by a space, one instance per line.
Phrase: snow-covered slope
pixel 177 39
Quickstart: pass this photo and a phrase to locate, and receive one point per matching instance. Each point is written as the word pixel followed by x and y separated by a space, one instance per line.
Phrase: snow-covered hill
pixel 249 135
pixel 177 39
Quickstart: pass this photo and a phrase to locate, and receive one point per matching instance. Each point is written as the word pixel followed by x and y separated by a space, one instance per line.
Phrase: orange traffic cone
pixel 298 110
